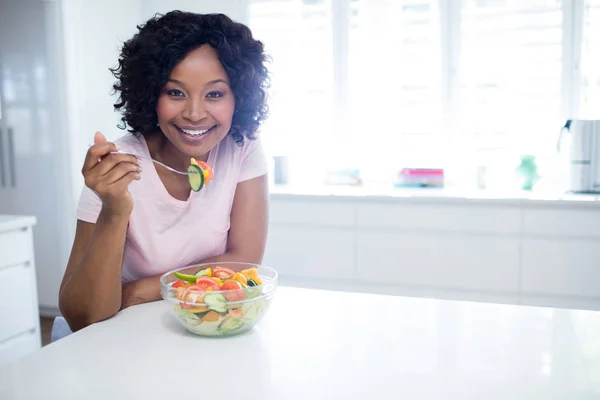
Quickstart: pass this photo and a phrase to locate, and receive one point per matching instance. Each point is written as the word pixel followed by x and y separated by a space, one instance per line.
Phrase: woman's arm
pixel 245 243
pixel 91 287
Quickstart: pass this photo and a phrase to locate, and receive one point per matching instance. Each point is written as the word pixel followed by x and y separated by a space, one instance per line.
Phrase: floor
pixel 46 326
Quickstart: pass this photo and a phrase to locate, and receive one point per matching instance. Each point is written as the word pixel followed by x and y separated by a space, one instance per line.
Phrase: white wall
pixel 93 34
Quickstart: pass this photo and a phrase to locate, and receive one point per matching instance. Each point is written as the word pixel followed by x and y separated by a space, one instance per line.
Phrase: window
pixel 510 76
pixel 394 96
pixel 590 60
pixel 298 37
pixel 464 85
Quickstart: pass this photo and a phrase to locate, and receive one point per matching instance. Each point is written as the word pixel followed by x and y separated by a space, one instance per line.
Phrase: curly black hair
pixel 147 59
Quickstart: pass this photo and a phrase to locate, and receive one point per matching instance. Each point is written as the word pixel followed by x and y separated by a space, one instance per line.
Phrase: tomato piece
pixel 204 283
pixel 179 283
pixel 232 290
pixel 219 282
pixel 222 273
pixel 208 170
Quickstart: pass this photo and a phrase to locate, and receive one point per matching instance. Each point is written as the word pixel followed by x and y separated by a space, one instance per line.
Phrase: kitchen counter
pixel 326 345
pixel 386 194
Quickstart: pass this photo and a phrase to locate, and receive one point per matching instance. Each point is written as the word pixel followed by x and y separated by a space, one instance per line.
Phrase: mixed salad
pixel 200 174
pixel 218 301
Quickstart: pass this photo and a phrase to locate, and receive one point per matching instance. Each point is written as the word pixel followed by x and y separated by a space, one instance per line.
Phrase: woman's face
pixel 196 105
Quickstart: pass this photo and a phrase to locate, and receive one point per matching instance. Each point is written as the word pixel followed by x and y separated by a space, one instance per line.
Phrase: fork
pixel 158 162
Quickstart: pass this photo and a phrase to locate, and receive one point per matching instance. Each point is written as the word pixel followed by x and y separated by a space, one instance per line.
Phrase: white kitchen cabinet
pixel 465 218
pixel 540 253
pixel 564 267
pixel 19 315
pixel 485 263
pixel 560 222
pixel 311 252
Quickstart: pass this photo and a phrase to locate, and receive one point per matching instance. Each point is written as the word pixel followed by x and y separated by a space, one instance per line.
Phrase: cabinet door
pixel 18 347
pixel 311 252
pixel 439 260
pixel 15 247
pixel 561 267
pixel 18 312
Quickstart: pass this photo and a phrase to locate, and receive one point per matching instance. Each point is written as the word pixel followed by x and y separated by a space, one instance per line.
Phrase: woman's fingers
pixel 119 171
pixel 95 153
pixel 109 162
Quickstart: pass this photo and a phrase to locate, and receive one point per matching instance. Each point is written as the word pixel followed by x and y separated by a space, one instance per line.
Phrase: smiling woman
pixel 191 86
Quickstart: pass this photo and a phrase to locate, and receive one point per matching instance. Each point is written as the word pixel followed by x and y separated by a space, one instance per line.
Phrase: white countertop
pixel 434 195
pixel 326 345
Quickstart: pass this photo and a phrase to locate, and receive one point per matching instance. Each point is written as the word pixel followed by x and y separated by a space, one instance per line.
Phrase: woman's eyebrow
pixel 208 83
pixel 217 81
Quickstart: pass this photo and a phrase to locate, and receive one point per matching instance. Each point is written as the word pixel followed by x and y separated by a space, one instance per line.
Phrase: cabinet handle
pixel 11 158
pixel 2 175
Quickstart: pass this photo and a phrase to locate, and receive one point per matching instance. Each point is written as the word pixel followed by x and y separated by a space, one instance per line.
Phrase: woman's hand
pixel 109 176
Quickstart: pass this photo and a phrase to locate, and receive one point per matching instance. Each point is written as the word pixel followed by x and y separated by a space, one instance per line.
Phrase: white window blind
pixel 395 83
pixel 510 81
pixel 298 36
pixel 464 85
pixel 590 60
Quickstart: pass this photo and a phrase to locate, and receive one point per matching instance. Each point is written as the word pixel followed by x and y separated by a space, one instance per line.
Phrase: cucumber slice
pixel 252 292
pixel 206 328
pixel 204 272
pixel 229 324
pixel 216 302
pixel 187 278
pixel 196 178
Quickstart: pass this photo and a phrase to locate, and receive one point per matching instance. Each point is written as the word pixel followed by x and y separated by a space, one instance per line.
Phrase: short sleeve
pixel 254 160
pixel 89 206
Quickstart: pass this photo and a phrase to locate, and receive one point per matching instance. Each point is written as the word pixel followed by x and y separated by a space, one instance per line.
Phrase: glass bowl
pixel 219 298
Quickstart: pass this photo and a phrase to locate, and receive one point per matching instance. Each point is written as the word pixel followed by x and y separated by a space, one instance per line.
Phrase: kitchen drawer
pixel 19 346
pixel 440 218
pixel 439 261
pixel 18 312
pixel 560 222
pixel 15 247
pixel 312 213
pixel 311 252
pixel 558 267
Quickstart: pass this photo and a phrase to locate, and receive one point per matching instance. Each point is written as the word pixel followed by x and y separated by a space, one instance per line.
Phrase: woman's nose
pixel 195 110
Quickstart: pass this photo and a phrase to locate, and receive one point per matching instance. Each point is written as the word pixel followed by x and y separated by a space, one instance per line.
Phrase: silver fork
pixel 158 162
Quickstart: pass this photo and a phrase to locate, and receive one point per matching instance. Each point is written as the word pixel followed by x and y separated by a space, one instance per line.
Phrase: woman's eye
pixel 175 92
pixel 215 95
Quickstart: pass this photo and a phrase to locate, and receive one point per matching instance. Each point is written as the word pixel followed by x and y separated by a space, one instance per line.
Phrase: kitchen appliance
pixel 584 157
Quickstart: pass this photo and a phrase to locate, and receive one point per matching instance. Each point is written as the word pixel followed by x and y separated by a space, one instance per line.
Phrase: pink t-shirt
pixel 165 233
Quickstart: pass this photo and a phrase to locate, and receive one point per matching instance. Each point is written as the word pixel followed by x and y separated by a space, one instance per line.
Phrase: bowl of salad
pixel 219 299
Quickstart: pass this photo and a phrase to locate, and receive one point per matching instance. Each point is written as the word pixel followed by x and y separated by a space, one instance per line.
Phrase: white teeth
pixel 194 133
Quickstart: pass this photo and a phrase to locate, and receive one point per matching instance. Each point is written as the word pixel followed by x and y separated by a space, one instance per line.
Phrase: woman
pixel 190 85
